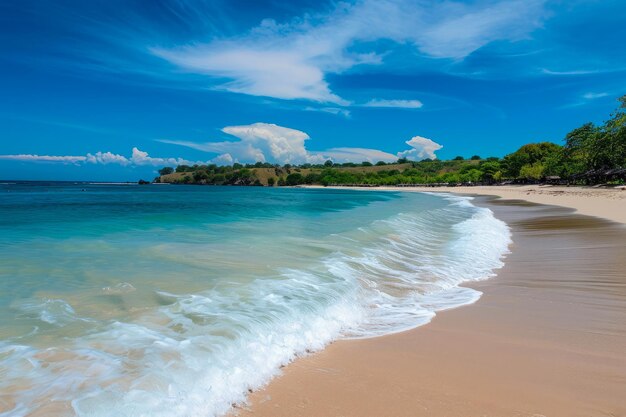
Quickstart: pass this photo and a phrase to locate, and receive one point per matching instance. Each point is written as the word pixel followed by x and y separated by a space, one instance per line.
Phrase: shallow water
pixel 176 300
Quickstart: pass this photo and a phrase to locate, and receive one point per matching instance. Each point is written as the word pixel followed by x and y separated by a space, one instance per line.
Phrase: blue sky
pixel 114 90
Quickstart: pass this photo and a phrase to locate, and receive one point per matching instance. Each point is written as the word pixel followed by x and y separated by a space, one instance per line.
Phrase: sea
pixel 167 300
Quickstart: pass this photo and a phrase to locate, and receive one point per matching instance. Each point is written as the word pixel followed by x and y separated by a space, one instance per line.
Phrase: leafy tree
pixel 271 181
pixel 532 171
pixel 578 147
pixel 245 173
pixel 528 155
pixel 166 171
pixel 312 178
pixel 458 158
pixel 200 176
pixel 473 175
pixel 609 147
pixel 451 178
pixel 294 179
pixel 489 170
pixel 475 158
pixel 555 164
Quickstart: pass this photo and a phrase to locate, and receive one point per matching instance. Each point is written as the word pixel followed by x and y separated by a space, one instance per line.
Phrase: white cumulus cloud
pixel 107 158
pixel 142 158
pixel 223 159
pixel 421 148
pixel 266 142
pixel 280 143
pixel 259 142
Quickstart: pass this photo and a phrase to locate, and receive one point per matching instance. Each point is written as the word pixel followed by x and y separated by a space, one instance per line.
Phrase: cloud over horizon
pixel 421 148
pixel 267 142
pixel 137 158
pixel 257 142
pixel 67 159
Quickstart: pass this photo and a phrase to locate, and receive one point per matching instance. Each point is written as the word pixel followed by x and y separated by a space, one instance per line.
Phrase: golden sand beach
pixel 547 338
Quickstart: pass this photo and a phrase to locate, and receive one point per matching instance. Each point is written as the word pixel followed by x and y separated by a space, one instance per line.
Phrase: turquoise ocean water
pixel 176 300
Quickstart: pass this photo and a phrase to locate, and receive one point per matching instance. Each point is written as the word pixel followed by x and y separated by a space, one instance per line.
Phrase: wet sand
pixel 547 338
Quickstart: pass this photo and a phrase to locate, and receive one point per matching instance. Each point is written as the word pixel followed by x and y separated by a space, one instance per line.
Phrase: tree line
pixel 589 154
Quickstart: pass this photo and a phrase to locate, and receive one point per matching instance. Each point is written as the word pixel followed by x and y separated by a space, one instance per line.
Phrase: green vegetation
pixel 590 154
pixel 166 171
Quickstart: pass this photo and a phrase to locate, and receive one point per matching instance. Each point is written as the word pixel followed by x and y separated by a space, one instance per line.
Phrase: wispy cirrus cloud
pixel 357 155
pixel 570 72
pixel 581 72
pixel 203 45
pixel 586 99
pixel 593 96
pixel 401 104
pixel 291 60
pixel 339 111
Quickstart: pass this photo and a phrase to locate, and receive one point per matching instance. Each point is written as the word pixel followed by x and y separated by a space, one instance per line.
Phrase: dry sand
pixel 547 338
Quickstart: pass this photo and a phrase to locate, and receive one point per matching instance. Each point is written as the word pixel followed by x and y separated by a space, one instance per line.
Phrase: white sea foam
pixel 198 354
pixel 417 270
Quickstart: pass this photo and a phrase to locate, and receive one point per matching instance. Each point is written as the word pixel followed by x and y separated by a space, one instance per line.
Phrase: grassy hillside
pixel 396 173
pixel 233 176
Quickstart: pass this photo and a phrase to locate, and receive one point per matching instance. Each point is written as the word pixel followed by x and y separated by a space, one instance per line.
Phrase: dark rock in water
pixel 143 182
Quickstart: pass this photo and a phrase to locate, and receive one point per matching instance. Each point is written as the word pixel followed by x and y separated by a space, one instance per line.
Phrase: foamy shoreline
pixel 545 339
pixel 607 203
